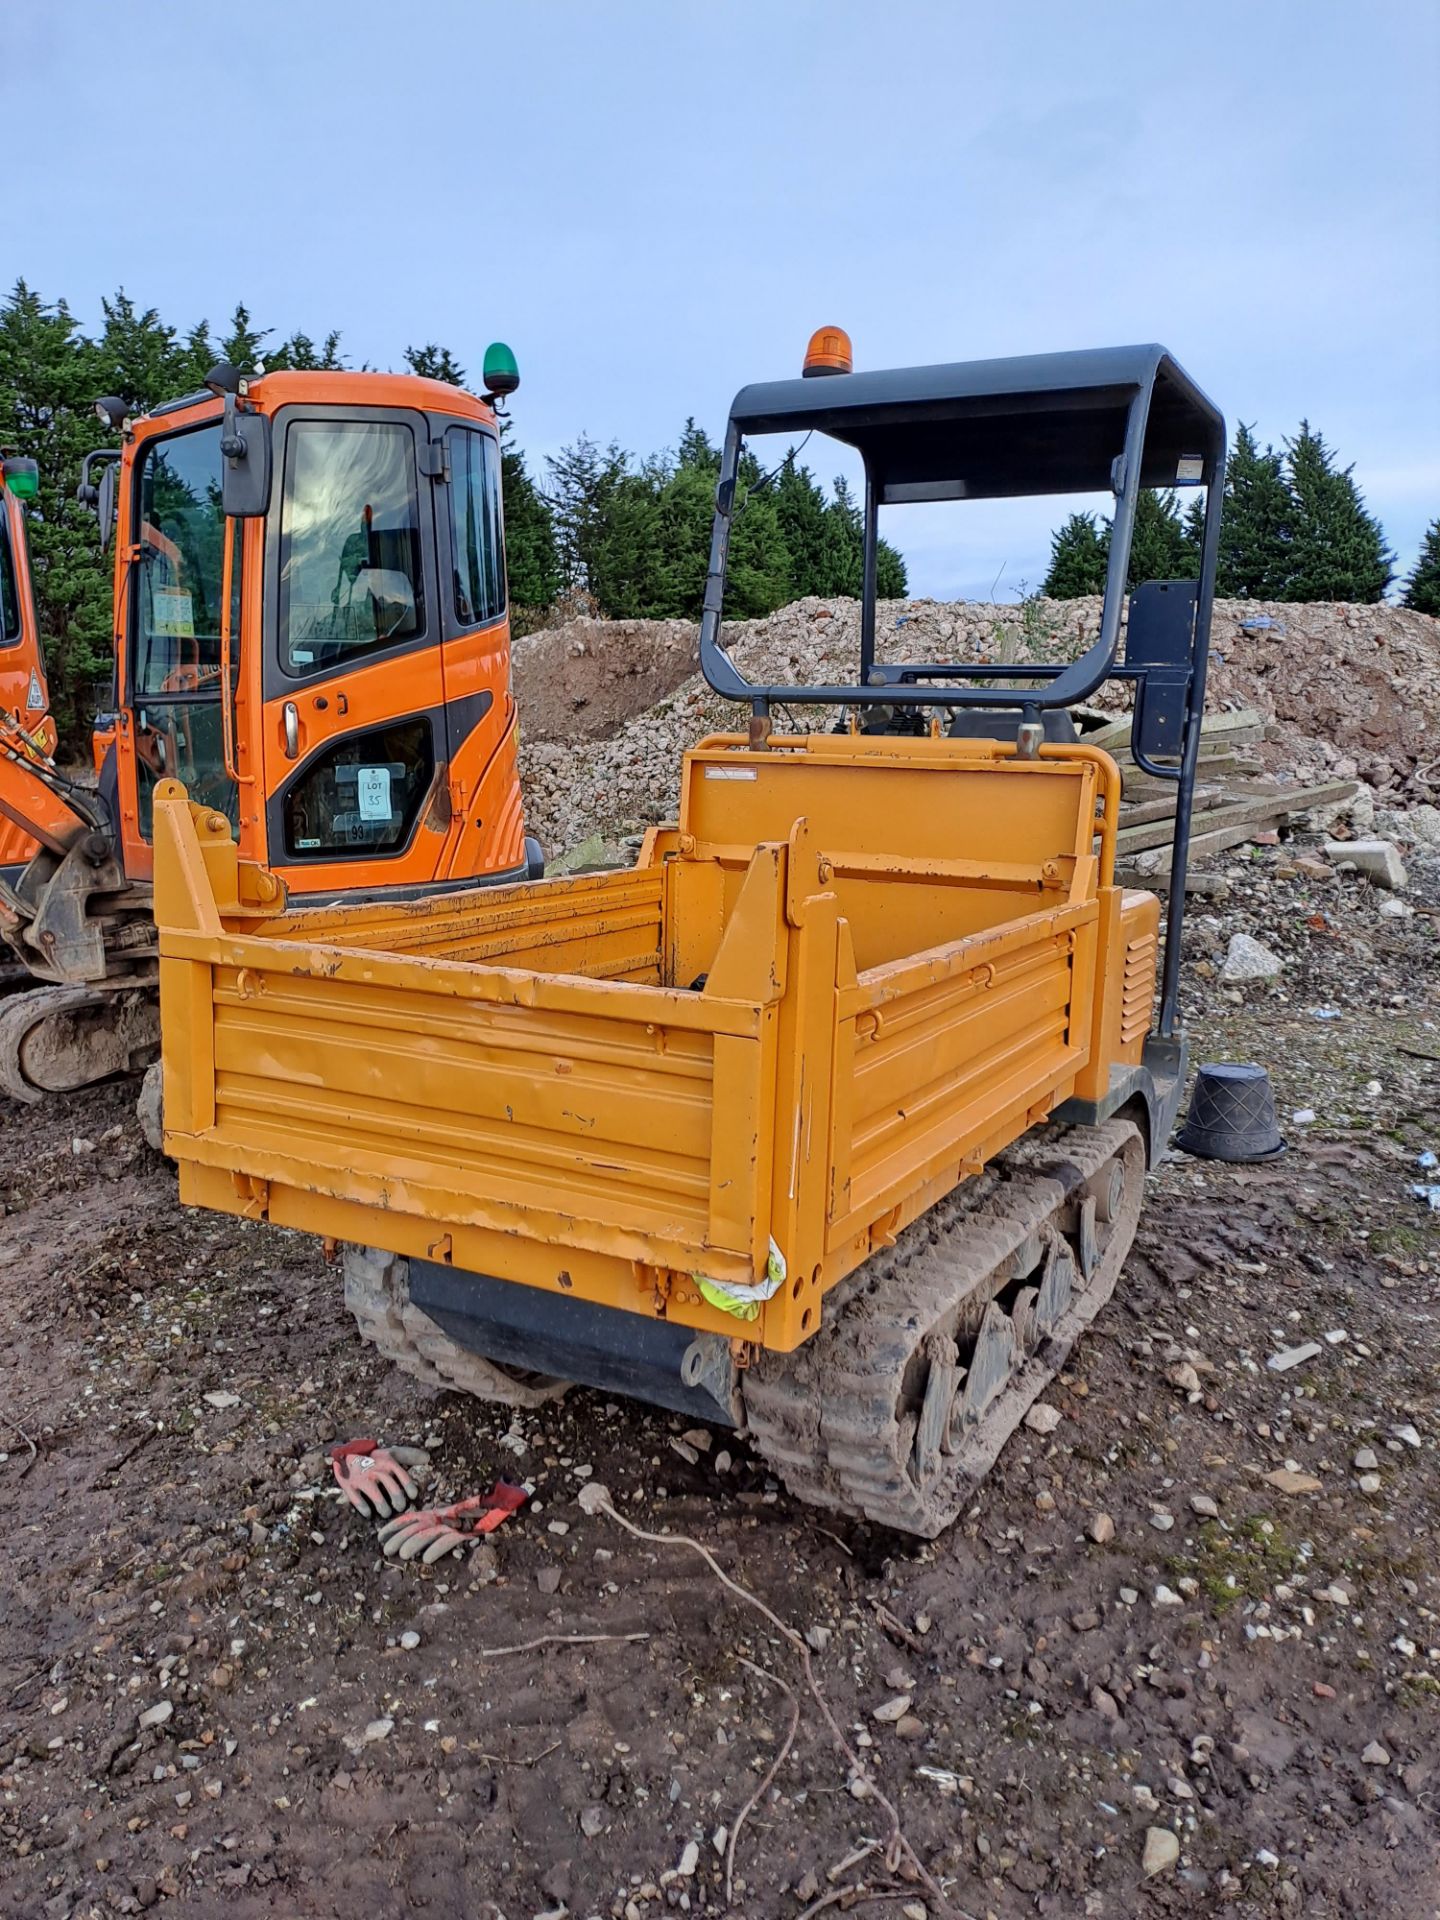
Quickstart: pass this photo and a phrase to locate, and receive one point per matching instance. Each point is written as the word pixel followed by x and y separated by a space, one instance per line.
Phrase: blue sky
pixel 656 203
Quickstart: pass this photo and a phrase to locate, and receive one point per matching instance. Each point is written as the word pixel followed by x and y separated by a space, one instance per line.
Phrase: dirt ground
pixel 1253 1669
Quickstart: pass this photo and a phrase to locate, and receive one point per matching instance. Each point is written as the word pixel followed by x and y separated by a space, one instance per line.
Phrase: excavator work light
pixel 829 351
pixel 501 374
pixel 223 378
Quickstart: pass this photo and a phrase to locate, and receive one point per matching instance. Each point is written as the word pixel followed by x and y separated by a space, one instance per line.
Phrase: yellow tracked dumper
pixel 830 1118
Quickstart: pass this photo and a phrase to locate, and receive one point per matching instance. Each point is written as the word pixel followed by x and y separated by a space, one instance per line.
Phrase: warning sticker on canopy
pixel 174 614
pixel 35 694
pixel 373 793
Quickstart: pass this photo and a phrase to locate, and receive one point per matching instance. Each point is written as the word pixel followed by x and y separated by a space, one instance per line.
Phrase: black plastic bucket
pixel 1231 1115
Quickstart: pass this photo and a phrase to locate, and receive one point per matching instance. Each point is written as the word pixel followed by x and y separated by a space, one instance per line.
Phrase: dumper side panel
pixel 582 1113
pixel 900 1076
pixel 602 926
pixel 576 1112
pixel 953 1053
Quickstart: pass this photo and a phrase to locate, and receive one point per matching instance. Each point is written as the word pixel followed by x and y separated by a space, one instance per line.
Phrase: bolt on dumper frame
pixel 830 1116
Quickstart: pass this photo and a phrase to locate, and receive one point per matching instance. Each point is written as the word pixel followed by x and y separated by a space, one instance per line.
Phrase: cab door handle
pixel 290 715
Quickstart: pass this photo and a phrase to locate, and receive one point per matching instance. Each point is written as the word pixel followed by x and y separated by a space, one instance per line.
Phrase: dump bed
pixel 703 1089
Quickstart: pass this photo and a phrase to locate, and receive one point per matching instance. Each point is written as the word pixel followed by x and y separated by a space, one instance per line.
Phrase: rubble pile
pixel 607 707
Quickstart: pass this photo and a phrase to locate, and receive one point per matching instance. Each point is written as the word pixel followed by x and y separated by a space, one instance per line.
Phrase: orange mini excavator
pixel 311 632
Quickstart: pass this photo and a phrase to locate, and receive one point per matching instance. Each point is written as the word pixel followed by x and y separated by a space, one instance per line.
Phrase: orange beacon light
pixel 829 351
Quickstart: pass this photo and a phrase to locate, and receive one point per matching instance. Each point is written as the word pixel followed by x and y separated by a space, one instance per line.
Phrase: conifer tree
pixel 843 566
pixel 137 356
pixel 1257 523
pixel 625 570
pixel 195 359
pixel 696 449
pixel 301 355
pixel 435 363
pixel 1162 547
pixel 531 560
pixel 800 511
pixel 758 577
pixel 1077 559
pixel 243 344
pixel 1338 550
pixel 49 381
pixel 583 481
pixel 1194 530
pixel 892 581
pixel 1159 546
pixel 686 509
pixel 1422 588
pixel 685 513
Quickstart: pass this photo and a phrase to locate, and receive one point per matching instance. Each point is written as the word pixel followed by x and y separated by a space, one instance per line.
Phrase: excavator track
pixel 56 1039
pixel 377 1292
pixel 935 1349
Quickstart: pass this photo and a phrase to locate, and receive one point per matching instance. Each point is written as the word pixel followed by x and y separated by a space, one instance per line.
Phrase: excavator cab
pixel 323 657
pixel 312 635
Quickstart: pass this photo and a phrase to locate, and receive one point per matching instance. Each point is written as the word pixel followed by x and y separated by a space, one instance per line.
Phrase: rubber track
pixel 377 1292
pixel 825 1417
pixel 30 1009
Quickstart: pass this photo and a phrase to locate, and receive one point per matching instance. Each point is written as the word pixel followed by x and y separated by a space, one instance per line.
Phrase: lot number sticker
pixel 373 793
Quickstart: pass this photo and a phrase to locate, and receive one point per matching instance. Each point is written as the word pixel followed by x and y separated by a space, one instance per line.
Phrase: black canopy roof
pixel 978 429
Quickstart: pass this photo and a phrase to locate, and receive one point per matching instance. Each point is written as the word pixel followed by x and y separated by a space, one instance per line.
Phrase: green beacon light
pixel 22 477
pixel 501 375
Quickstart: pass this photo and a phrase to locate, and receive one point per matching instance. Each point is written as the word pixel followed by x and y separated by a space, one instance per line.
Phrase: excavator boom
pixel 35 798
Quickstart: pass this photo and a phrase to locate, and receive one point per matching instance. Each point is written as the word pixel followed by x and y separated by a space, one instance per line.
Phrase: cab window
pixel 363 796
pixel 175 651
pixel 9 593
pixel 180 569
pixel 351 569
pixel 181 740
pixel 476 540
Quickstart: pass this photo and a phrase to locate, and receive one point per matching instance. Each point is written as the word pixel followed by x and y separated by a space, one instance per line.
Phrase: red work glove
pixel 372 1480
pixel 435 1531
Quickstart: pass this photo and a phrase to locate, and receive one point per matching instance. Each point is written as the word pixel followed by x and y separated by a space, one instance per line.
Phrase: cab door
pixel 481 738
pixel 169 587
pixel 23 691
pixel 354 747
